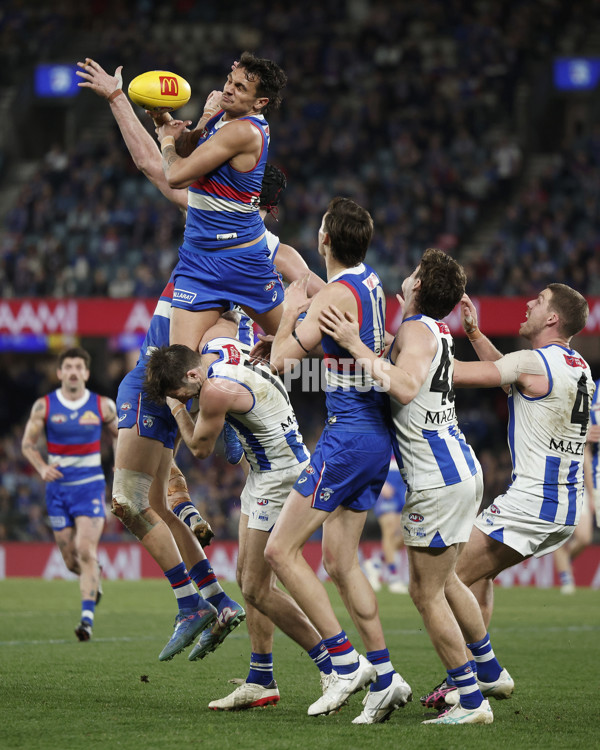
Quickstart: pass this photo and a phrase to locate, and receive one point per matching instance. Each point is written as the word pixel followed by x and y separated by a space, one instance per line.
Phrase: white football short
pixel 505 521
pixel 265 493
pixel 442 516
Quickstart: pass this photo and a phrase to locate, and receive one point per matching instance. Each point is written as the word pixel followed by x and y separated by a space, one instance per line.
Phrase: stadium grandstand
pixel 452 121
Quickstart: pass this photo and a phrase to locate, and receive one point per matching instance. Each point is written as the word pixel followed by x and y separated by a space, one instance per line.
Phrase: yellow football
pixel 159 89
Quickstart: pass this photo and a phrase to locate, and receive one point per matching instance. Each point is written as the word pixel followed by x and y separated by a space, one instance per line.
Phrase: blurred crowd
pixel 409 108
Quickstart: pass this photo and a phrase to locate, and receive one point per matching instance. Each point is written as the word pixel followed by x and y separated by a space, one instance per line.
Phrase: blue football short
pixel 346 468
pixel 207 280
pixel 66 502
pixel 135 409
pixel 395 503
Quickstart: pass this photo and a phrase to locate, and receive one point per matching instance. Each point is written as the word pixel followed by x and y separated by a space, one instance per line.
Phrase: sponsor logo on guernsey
pixel 230 236
pixel 443 328
pixel 262 501
pixel 572 447
pixel 182 295
pixel 58 418
pixel 147 421
pixel 371 281
pixel 575 361
pixel 269 286
pixel 88 417
pixel 441 417
pixel 126 406
pixel 416 517
pixel 494 509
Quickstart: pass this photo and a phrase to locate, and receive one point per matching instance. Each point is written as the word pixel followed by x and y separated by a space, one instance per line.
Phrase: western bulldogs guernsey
pixel 269 431
pixel 546 437
pixel 223 205
pixel 430 448
pixel 353 402
pixel 73 431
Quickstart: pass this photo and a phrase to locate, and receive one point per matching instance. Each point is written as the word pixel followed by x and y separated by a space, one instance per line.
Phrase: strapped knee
pixel 130 501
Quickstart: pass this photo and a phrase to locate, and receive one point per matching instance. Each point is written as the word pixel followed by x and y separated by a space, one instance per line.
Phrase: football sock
pixel 320 655
pixel 466 683
pixel 87 610
pixel 344 657
pixel 261 669
pixel 186 512
pixel 566 578
pixel 383 666
pixel 183 588
pixel 392 572
pixel 488 668
pixel 206 580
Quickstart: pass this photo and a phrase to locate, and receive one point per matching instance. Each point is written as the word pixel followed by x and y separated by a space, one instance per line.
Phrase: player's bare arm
pixel 523 368
pixel 293 343
pixel 238 142
pixel 31 437
pixel 292 266
pixel 217 398
pixel 483 346
pixel 414 350
pixel 140 144
pixel 109 419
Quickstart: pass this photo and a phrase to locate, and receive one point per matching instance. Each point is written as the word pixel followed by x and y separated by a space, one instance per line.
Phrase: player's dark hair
pixel 571 307
pixel 443 283
pixel 267 75
pixel 166 369
pixel 273 184
pixel 75 351
pixel 350 229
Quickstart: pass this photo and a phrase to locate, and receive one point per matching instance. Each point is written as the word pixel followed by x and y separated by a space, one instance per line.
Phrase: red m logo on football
pixel 168 86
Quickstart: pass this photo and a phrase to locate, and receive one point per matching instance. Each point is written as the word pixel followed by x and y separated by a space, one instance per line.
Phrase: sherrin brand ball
pixel 159 89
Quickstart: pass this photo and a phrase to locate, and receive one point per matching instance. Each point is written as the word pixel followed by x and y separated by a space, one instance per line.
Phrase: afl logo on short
pixel 126 406
pixel 262 501
pixel 494 509
pixel 58 418
pixel 269 286
pixel 415 517
pixel 309 470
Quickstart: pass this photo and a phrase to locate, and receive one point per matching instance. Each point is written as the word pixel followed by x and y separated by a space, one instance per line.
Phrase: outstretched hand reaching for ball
pixel 97 79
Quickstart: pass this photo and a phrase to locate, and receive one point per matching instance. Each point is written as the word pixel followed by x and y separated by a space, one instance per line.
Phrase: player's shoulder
pixel 39 406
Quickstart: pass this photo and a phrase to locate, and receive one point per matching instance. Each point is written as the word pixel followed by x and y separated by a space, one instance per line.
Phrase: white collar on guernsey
pixel 355 271
pixel 220 123
pixel 72 404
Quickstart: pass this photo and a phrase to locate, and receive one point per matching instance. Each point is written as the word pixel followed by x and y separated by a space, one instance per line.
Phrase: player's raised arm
pixel 139 142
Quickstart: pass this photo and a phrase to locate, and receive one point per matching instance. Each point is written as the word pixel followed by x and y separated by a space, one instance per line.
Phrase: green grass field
pixel 112 692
